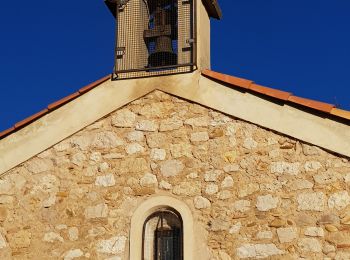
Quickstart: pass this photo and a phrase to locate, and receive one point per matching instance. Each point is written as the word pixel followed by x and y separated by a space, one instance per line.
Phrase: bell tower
pixel 161 37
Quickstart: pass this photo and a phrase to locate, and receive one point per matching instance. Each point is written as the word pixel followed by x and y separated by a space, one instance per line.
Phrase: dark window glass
pixel 162 236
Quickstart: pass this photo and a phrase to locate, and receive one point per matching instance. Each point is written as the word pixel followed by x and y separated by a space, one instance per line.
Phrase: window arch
pixel 162 236
pixel 154 205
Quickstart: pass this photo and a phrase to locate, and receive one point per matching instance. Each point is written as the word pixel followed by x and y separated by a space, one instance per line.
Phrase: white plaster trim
pixel 151 206
pixel 111 95
pixel 322 132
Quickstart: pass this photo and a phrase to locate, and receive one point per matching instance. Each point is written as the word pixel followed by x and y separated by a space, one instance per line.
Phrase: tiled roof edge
pixel 286 97
pixel 52 107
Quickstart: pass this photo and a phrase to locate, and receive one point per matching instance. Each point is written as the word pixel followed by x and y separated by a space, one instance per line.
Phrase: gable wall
pixel 252 192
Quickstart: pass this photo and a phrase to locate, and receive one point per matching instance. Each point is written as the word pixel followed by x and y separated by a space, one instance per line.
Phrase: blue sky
pixel 49 49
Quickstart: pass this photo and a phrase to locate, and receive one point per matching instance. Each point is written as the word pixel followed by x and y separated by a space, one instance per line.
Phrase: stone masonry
pixel 257 194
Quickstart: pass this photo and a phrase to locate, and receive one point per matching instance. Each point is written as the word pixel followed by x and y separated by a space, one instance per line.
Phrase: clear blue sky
pixel 49 49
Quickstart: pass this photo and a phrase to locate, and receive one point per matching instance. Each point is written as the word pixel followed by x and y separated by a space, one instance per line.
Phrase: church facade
pixel 198 165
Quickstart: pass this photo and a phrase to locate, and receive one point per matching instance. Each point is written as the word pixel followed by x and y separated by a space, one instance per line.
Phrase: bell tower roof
pixel 212 7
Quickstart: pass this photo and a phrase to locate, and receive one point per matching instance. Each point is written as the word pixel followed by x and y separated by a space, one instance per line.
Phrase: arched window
pixel 162 236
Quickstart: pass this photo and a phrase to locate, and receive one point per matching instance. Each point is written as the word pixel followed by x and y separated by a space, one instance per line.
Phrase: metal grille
pixel 154 37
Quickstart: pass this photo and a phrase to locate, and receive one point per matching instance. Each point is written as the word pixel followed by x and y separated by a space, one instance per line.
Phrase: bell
pixel 163 54
pixel 162 35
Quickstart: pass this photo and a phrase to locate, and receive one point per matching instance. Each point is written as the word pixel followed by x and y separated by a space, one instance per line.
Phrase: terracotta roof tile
pixel 52 107
pixel 63 101
pixel 31 118
pixel 321 106
pixel 270 92
pixel 239 82
pixel 93 84
pixel 6 132
pixel 278 94
pixel 340 113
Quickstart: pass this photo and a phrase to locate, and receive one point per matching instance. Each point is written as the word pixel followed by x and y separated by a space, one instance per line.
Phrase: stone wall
pixel 256 194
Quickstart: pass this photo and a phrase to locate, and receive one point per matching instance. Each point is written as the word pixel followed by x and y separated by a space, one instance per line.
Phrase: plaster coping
pixel 112 95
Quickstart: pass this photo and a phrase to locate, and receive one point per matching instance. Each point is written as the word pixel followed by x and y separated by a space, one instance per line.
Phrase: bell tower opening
pixel 161 37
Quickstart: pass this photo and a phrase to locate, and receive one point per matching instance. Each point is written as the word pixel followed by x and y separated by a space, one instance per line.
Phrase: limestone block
pixel 266 203
pixel 347 178
pixel 165 185
pixel 273 186
pixel 158 154
pixel 171 168
pixel 157 140
pixel 258 251
pixel 134 148
pixel 181 149
pixel 227 182
pixel 62 146
pixel 224 195
pixel 135 136
pixel 314 232
pixel 211 189
pixel 98 211
pixel 105 180
pixel 199 137
pixel 124 118
pixel 73 234
pixel 241 206
pixel 21 239
pixel 280 168
pixel 113 245
pixel 106 140
pixel 287 235
pixel 212 175
pixel 96 231
pixel 3 243
pixel 231 168
pixel 147 126
pixel 248 189
pixel 339 200
pixel 311 201
pixel 111 156
pixel 6 187
pixel 37 165
pixel 250 143
pixel 170 124
pixel 328 219
pixel 231 129
pixel 202 121
pixel 310 150
pixel 300 184
pixel 78 159
pixel 224 256
pixel 149 180
pixel 95 157
pixel 327 177
pixel 201 202
pixel 74 253
pixel 264 235
pixel 83 141
pixel 342 255
pixel 310 245
pixel 339 237
pixel 312 166
pixel 218 224
pixel 17 180
pixel 328 249
pixel 188 189
pixel 103 167
pixel 133 165
pixel 235 228
pixel 52 237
